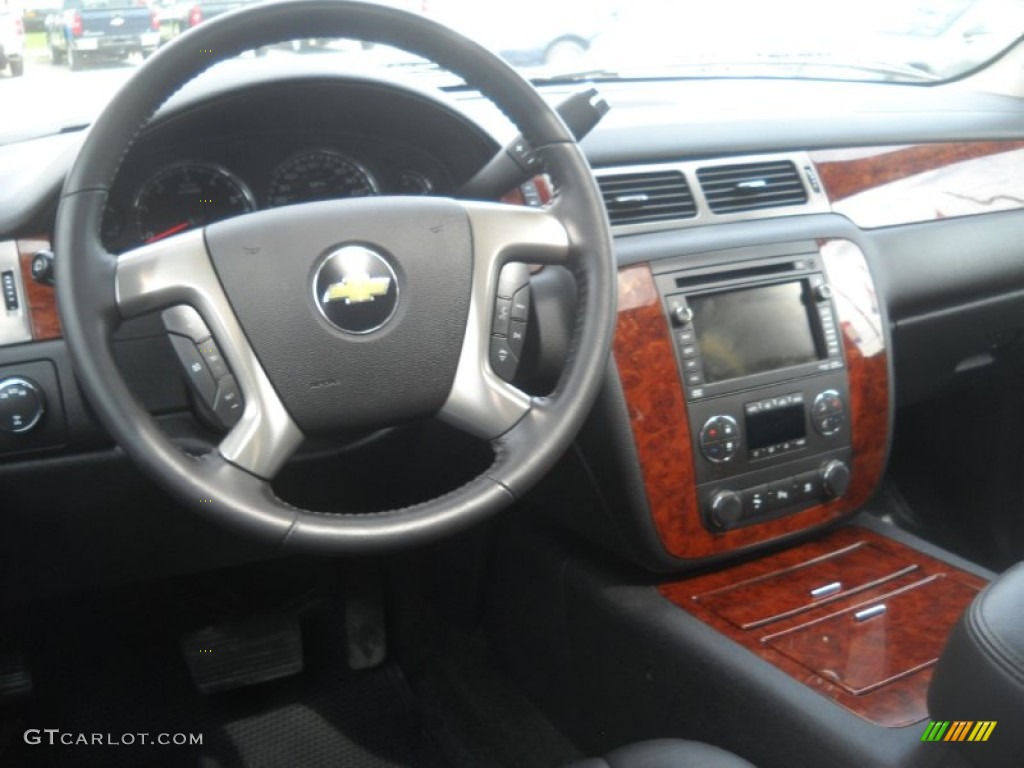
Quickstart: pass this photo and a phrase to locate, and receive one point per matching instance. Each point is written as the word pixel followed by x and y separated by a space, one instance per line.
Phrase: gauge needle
pixel 169 231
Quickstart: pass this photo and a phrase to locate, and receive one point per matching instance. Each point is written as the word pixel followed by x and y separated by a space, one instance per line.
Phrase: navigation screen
pixel 753 330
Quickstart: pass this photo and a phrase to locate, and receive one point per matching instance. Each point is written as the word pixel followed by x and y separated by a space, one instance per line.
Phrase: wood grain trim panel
pixel 886 186
pixel 657 409
pixel 897 699
pixel 42 299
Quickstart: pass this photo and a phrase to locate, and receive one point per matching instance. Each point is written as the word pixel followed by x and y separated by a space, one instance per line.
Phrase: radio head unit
pixel 752 326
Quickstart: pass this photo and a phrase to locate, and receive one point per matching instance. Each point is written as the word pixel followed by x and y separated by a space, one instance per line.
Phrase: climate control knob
pixel 720 439
pixel 835 479
pixel 827 414
pixel 725 509
pixel 21 405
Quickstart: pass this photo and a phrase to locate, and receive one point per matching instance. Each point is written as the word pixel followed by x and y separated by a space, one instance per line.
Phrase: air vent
pixel 643 197
pixel 751 186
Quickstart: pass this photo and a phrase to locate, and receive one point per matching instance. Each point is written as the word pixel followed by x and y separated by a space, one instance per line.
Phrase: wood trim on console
pixel 885 186
pixel 657 409
pixel 42 299
pixel 889 662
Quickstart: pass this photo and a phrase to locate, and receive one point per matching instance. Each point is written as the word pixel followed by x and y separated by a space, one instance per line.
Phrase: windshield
pixel 62 60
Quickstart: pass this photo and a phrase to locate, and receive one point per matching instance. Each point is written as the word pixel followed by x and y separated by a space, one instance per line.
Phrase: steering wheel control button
pixel 511 313
pixel 827 413
pixel 196 369
pixel 185 321
pixel 22 405
pixel 720 439
pixel 502 316
pixel 228 404
pixel 521 304
pixel 517 337
pixel 214 359
pixel 503 360
pixel 356 290
pixel 513 277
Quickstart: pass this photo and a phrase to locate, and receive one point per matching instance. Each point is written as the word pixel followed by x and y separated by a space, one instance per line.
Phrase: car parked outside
pixel 183 16
pixel 112 29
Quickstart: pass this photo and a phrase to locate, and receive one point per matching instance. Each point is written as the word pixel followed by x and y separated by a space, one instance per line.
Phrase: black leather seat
pixel 666 753
pixel 980 675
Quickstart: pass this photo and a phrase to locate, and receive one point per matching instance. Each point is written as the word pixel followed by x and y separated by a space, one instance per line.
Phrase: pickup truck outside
pixel 181 17
pixel 101 29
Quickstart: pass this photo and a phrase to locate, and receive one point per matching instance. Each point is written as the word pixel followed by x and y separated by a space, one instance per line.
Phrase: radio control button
pixel 752 408
pixel 691 365
pixel 682 315
pixel 688 351
pixel 695 378
pixel 685 337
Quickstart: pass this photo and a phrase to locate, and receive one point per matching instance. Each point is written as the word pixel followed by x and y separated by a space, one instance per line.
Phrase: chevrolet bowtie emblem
pixel 356 289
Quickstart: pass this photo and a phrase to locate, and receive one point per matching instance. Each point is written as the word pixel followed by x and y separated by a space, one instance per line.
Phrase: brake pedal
pixel 243 653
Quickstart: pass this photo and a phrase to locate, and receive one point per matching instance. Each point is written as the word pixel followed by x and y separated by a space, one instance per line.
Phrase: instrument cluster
pixel 171 191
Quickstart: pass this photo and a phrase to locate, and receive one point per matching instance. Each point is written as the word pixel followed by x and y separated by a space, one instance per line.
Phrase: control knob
pixel 835 478
pixel 823 292
pixel 21 405
pixel 682 315
pixel 725 509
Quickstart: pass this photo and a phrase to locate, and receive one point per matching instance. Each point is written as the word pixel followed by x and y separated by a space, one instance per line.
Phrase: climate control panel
pixel 771 451
pixel 727 508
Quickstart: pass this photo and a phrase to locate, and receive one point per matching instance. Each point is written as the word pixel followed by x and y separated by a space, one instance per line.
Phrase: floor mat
pixel 101 675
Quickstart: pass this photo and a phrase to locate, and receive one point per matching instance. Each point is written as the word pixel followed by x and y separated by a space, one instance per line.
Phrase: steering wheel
pixel 261 283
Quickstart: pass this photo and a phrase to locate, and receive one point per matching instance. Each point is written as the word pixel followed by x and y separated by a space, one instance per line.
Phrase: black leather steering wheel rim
pixel 91 282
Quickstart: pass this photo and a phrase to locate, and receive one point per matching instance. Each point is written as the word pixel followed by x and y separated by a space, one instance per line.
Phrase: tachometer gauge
pixel 182 197
pixel 319 174
pixel 412 182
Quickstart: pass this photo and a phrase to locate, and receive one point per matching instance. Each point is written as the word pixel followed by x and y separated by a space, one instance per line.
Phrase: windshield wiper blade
pixel 578 76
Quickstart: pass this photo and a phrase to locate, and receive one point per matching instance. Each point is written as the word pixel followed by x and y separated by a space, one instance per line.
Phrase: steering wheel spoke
pixel 481 402
pixel 178 271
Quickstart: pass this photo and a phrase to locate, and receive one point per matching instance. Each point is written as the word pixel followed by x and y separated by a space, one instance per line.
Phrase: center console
pixel 758 352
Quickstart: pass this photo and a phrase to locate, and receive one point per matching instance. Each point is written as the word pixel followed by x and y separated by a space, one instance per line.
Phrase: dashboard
pixel 895 204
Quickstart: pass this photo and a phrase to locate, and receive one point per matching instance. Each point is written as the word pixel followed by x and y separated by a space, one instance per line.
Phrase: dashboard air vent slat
pixel 633 198
pixel 750 186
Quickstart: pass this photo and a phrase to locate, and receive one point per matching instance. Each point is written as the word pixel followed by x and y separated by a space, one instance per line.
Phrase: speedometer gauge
pixel 319 174
pixel 182 197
